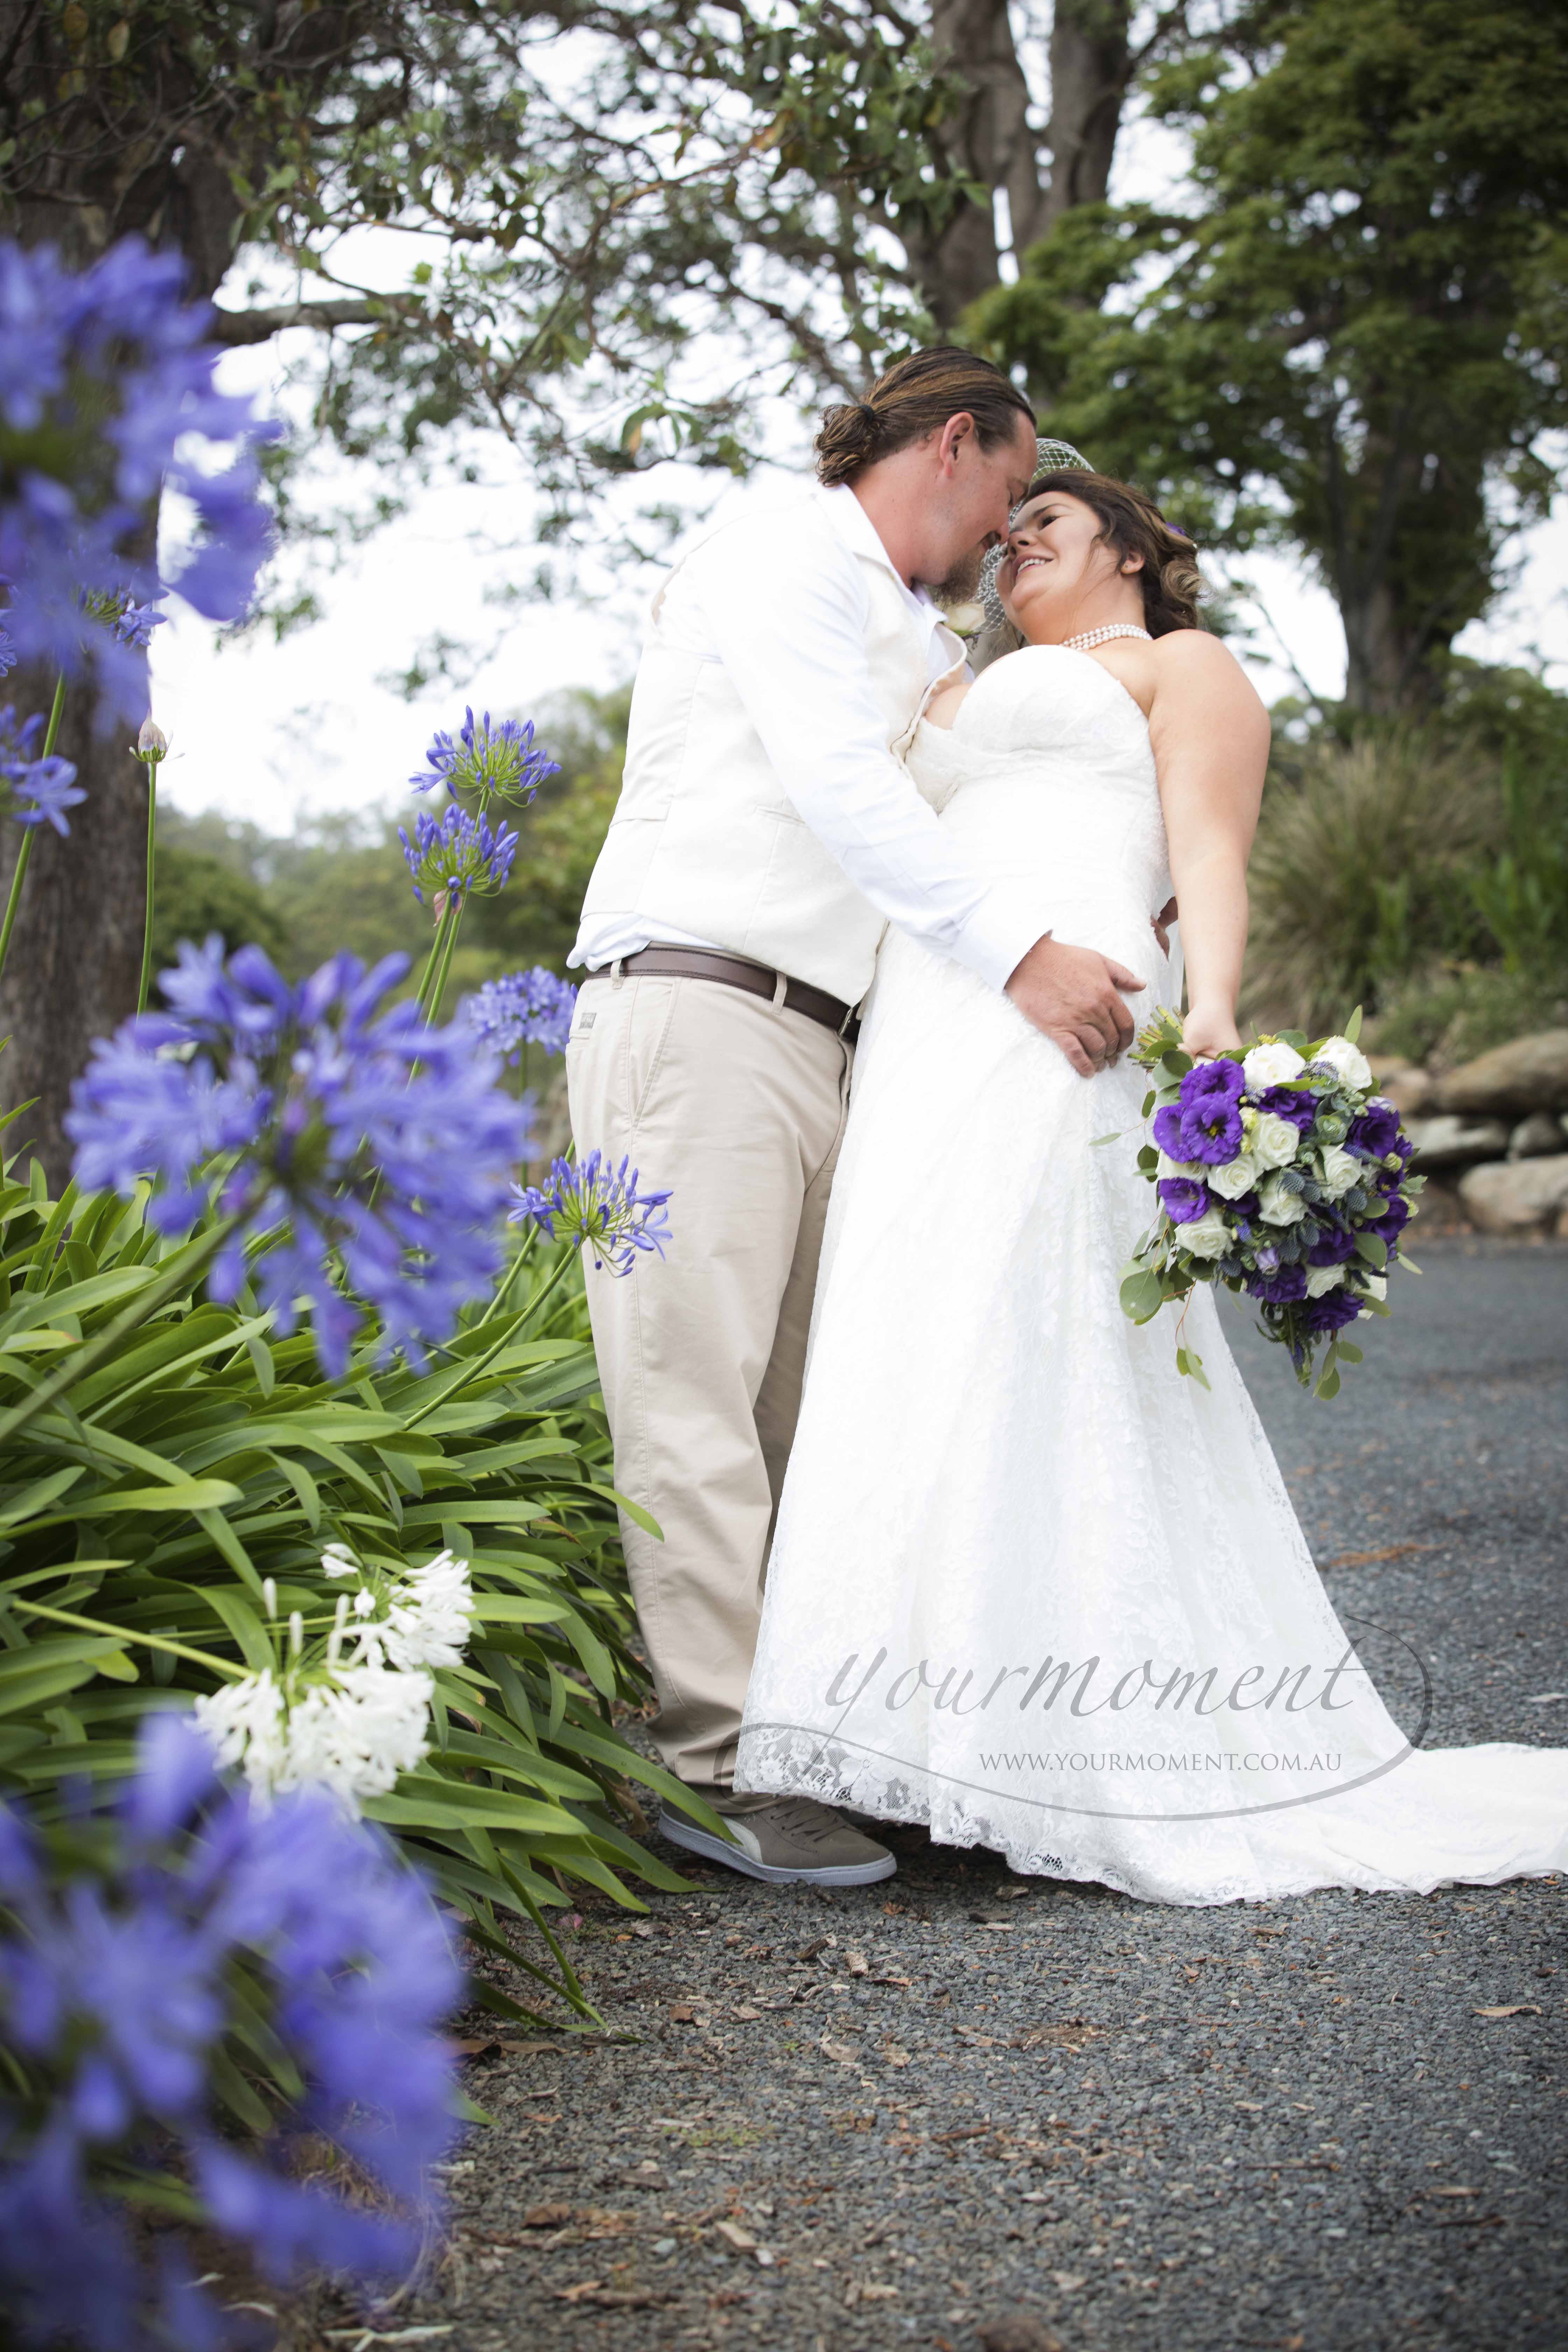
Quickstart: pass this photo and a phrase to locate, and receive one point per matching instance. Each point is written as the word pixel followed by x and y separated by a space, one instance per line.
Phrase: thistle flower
pixel 381 1147
pixel 458 855
pixel 106 390
pixel 592 1206
pixel 498 762
pixel 523 1008
pixel 117 1989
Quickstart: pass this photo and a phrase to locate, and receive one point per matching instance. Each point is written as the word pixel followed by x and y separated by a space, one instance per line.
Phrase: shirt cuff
pixel 999 934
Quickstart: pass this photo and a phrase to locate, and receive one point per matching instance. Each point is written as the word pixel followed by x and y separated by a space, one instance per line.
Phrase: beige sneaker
pixel 781 1839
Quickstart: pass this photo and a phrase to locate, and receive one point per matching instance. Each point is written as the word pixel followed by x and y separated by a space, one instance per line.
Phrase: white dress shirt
pixel 789 630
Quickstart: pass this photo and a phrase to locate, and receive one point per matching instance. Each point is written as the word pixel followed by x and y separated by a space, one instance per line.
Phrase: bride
pixel 1030 1585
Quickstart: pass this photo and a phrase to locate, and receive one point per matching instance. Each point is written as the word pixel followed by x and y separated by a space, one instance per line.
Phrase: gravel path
pixel 966 2110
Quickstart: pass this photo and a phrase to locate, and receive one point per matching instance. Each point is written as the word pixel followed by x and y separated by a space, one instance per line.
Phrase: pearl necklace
pixel 1087 637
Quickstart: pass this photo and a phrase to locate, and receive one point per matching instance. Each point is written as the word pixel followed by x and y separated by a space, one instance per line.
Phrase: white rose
pixel 1375 1284
pixel 1341 1169
pixel 1279 1205
pixel 1237 1177
pixel 1271 1140
pixel 1207 1236
pixel 1169 1167
pixel 1346 1060
pixel 1323 1277
pixel 1271 1065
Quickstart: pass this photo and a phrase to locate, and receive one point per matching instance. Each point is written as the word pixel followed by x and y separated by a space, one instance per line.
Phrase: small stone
pixel 1018 2331
pixel 1412 1090
pixel 1525 1196
pixel 1450 1142
pixel 1529 1074
pixel 1536 1138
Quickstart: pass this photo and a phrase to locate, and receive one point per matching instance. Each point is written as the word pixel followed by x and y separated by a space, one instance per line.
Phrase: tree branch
pixel 257 326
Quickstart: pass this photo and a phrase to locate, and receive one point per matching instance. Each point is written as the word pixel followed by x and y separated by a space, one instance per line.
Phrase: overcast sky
pixel 275 732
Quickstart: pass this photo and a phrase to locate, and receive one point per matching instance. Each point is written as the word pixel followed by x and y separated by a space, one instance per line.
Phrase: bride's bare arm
pixel 1210 734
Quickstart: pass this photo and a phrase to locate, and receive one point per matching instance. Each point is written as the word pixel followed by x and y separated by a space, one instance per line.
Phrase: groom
pixel 766 833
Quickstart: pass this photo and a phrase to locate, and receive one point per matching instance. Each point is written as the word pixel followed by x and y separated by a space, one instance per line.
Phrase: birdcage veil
pixel 1050 456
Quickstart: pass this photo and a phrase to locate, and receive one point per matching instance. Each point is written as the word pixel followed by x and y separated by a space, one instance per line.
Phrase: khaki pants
pixel 737 1108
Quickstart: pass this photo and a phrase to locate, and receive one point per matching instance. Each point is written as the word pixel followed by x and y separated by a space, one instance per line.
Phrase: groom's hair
pixel 915 398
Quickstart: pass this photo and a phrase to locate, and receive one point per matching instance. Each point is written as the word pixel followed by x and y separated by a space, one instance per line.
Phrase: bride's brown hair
pixel 1131 524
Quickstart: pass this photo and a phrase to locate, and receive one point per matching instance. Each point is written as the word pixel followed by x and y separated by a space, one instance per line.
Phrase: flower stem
pixel 152 767
pixel 25 853
pixel 437 951
pixel 433 1010
pixel 470 1372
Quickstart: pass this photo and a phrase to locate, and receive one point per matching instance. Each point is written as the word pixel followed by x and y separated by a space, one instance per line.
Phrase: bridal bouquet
pixel 1281 1173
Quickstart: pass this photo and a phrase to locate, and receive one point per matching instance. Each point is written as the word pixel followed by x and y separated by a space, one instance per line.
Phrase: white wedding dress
pixel 1030 1585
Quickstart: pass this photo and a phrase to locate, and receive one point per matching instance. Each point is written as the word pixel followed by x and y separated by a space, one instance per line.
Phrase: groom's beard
pixel 962 584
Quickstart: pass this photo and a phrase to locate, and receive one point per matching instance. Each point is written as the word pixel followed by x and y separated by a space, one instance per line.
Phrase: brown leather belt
pixel 734 971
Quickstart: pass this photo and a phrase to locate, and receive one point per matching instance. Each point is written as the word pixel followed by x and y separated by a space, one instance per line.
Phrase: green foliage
pixel 1443 1017
pixel 197 894
pixel 1356 327
pixel 183 1453
pixel 1362 870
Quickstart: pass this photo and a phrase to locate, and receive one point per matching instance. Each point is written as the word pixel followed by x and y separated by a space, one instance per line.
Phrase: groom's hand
pixel 1070 995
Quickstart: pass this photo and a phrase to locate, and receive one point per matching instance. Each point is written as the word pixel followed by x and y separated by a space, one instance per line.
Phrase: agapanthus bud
pixel 152 744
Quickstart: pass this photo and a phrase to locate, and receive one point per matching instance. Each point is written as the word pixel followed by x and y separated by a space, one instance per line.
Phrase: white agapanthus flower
pixel 357 1733
pixel 427 1617
pixel 1235 1178
pixel 357 1722
pixel 1323 1277
pixel 1270 1065
pixel 1271 1140
pixel 1347 1061
pixel 1278 1204
pixel 1342 1170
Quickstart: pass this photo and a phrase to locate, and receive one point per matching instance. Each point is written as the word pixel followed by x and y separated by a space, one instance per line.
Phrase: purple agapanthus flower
pixel 1333 1311
pixel 592 1203
pixel 1184 1199
pixel 492 761
pixel 8 656
pixel 107 391
pixel 457 855
pixel 1297 1104
pixel 373 1152
pixel 523 1008
pixel 1377 1131
pixel 1280 1285
pixel 116 1989
pixel 40 791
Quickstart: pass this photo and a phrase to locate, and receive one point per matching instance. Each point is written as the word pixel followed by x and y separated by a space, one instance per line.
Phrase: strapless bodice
pixel 1049 771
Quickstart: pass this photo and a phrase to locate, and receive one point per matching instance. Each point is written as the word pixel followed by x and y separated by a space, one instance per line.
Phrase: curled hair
pixel 914 398
pixel 1131 524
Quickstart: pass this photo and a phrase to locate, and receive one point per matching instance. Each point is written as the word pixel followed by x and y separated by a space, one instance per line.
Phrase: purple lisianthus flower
pixel 1280 1285
pixel 1334 1246
pixel 1213 1081
pixel 1333 1311
pixel 1184 1197
pixel 1376 1131
pixel 1294 1103
pixel 1167 1131
pixel 1211 1131
pixel 1392 1221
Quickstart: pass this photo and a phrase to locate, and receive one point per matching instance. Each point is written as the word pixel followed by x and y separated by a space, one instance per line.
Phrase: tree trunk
pixel 990 140
pixel 1091 65
pixel 76 953
pixel 1391 666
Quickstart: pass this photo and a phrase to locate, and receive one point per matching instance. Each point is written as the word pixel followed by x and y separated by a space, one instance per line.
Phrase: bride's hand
pixel 1210 1032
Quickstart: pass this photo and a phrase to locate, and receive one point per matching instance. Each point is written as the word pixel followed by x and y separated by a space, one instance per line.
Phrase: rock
pixel 1018 2331
pixel 1411 1090
pixel 1449 1142
pixel 1536 1138
pixel 1522 1196
pixel 1439 1209
pixel 1531 1074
